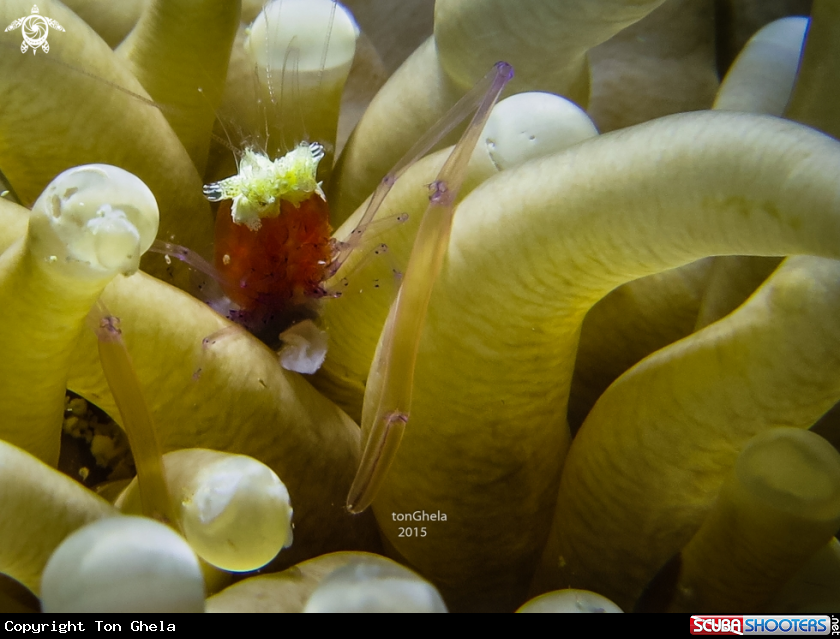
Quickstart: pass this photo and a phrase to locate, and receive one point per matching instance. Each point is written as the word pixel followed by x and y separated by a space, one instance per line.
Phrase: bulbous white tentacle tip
pixel 95 219
pixel 570 600
pixel 123 564
pixel 313 36
pixel 529 125
pixel 374 585
pixel 239 516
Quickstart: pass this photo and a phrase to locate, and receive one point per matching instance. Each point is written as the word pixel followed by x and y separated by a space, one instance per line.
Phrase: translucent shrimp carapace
pixel 272 237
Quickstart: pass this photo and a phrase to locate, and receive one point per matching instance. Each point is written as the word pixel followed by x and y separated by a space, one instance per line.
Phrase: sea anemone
pixel 488 496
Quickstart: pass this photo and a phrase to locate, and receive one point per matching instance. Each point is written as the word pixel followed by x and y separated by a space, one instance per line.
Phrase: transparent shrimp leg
pixel 137 419
pixel 405 322
pixel 335 289
pixel 209 290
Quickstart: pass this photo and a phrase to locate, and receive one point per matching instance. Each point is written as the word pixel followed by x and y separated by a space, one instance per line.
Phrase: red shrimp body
pixel 275 272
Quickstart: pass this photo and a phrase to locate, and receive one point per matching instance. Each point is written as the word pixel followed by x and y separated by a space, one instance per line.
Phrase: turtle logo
pixel 35 30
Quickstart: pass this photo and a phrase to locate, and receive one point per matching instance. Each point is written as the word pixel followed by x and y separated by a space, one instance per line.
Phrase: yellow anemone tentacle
pixel 521 127
pixel 649 313
pixel 815 98
pixel 286 591
pixel 760 80
pixel 123 564
pixel 210 384
pixel 779 506
pixel 647 464
pixel 468 40
pixel 179 52
pixel 41 507
pixel 662 64
pixel 111 20
pixel 78 105
pixel 233 510
pixel 14 219
pixel 532 250
pixel 629 324
pixel 91 224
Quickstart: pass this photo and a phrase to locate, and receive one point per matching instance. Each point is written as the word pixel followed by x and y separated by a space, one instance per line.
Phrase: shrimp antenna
pixel 326 50
pixel 227 141
pixel 301 52
pixel 266 134
pixel 320 81
pixel 401 337
pixel 266 86
pixel 291 67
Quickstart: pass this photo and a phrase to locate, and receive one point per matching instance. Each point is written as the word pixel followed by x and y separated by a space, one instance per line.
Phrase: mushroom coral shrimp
pixel 531 250
pixel 249 251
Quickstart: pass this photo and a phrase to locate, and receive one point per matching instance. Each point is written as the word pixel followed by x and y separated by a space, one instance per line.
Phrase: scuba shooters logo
pixel 764 625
